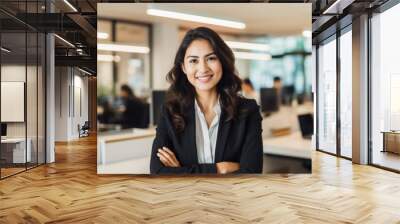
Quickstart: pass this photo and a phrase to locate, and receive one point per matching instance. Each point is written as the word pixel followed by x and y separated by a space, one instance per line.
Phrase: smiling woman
pixel 203 110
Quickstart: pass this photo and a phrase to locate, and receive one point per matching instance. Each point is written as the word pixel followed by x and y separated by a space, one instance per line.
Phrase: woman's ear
pixel 183 68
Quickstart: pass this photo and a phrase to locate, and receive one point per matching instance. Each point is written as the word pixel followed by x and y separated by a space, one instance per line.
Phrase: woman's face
pixel 202 66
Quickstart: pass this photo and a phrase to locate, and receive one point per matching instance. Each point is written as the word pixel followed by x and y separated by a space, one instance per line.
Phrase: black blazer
pixel 238 141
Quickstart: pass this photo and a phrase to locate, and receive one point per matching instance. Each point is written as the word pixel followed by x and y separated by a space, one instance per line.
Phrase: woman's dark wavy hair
pixel 180 95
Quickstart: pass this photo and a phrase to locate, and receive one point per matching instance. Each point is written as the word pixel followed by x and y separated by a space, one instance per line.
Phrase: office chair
pixel 84 130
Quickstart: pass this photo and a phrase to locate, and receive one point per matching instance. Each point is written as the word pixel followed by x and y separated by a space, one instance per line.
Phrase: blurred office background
pixel 136 47
pixel 285 52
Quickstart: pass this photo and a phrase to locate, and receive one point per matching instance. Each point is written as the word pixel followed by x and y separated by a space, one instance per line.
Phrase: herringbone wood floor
pixel 70 191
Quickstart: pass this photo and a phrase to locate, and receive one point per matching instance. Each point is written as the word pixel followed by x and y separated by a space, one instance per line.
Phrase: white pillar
pixel 165 45
pixel 50 98
pixel 360 90
pixel 63 102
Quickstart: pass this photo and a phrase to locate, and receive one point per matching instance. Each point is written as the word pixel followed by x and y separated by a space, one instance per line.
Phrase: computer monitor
pixel 287 95
pixel 3 129
pixel 269 100
pixel 158 98
pixel 306 122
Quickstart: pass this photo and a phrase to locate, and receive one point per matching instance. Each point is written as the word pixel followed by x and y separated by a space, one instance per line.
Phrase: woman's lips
pixel 204 78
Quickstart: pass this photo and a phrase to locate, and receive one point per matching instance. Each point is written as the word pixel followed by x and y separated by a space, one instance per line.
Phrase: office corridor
pixel 70 191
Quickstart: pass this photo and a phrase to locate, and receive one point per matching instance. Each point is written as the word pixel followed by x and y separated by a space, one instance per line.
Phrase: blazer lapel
pixel 223 132
pixel 188 139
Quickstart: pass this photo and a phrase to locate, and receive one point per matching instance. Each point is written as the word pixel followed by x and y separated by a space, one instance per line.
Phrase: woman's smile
pixel 204 78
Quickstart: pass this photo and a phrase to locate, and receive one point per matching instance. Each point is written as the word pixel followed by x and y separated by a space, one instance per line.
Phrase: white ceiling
pixel 274 19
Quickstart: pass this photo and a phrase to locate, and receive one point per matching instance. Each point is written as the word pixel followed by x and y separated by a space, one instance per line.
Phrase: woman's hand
pixel 167 157
pixel 227 167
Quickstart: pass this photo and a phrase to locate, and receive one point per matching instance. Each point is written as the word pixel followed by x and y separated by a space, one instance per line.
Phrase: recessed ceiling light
pixel 108 58
pixel 195 18
pixel 84 71
pixel 5 50
pixel 252 56
pixel 336 7
pixel 247 46
pixel 307 33
pixel 64 40
pixel 102 35
pixel 123 48
pixel 70 5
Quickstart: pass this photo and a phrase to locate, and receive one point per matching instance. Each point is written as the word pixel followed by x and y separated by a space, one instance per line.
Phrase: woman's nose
pixel 203 66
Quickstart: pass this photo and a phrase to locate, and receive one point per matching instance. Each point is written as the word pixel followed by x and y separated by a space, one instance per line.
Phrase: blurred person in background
pixel 277 84
pixel 134 110
pixel 107 113
pixel 248 90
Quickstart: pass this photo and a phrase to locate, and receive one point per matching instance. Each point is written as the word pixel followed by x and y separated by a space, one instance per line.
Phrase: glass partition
pixel 133 68
pixel 327 96
pixel 346 94
pixel 13 94
pixel 22 69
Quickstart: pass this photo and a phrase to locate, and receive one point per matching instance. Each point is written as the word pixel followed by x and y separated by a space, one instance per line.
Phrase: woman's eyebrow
pixel 195 56
pixel 209 54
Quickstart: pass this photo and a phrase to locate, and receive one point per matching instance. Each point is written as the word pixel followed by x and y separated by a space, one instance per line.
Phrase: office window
pixel 133 68
pixel 290 60
pixel 346 94
pixel 327 97
pixel 118 66
pixel 385 84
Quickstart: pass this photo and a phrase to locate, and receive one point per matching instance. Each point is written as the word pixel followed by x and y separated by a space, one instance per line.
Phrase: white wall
pixel 71 87
pixel 14 73
pixel 33 125
pixel 80 97
pixel 61 103
pixel 165 45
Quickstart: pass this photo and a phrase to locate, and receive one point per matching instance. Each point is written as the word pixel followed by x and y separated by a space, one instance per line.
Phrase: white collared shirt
pixel 206 138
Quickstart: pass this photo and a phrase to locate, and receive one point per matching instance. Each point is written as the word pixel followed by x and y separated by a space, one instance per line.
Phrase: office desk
pixel 293 145
pixel 287 154
pixel 391 141
pixel 129 153
pixel 130 166
pixel 13 150
pixel 125 152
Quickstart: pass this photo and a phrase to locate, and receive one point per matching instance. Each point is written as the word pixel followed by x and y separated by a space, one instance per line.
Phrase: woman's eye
pixel 212 58
pixel 192 61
